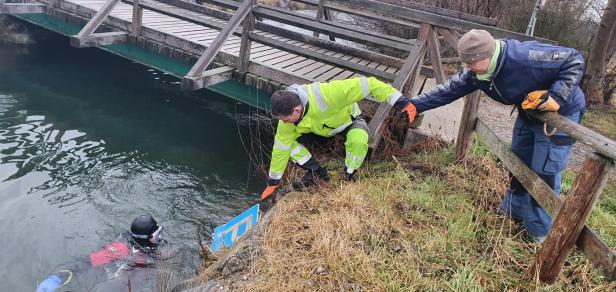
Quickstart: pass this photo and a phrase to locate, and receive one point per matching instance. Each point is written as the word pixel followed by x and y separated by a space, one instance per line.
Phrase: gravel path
pixel 502 122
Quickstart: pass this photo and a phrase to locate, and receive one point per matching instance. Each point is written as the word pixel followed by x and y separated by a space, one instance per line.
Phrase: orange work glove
pixel 540 100
pixel 410 111
pixel 268 192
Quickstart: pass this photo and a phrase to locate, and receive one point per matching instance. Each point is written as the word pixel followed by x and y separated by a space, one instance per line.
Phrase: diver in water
pixel 139 248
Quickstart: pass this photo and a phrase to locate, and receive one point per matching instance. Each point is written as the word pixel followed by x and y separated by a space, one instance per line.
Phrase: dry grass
pixel 419 222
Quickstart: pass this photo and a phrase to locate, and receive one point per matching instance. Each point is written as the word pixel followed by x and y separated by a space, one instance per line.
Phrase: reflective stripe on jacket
pixel 332 108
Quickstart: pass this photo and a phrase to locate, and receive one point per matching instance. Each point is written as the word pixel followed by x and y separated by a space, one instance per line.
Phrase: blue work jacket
pixel 522 67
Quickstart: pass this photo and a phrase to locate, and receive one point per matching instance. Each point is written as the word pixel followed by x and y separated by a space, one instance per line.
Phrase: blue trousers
pixel 546 156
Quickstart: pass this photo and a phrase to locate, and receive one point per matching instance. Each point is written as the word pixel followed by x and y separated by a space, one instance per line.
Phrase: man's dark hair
pixel 283 102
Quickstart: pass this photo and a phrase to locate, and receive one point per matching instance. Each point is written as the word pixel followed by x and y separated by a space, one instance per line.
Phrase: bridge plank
pixel 322 70
pixel 326 76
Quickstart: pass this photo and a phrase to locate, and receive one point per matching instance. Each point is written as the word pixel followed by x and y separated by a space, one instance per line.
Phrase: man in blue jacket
pixel 530 75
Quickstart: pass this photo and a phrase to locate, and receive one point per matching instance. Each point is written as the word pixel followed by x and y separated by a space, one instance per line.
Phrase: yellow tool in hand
pixel 540 100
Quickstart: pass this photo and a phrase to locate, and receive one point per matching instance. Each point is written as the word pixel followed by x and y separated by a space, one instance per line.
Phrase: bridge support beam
pixel 21 8
pixel 209 77
pixel 195 76
pixel 99 39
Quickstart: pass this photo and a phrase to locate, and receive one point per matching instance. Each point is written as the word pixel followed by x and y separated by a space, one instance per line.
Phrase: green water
pixel 88 140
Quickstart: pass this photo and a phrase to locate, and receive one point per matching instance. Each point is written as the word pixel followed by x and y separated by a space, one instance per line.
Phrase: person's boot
pixel 348 176
pixel 313 171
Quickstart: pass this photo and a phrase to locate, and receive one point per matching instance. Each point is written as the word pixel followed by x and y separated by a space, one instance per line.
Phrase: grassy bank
pixel 601 119
pixel 417 222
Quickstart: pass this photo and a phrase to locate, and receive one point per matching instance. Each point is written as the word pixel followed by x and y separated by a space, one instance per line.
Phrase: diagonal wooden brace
pixel 98 19
pixel 194 80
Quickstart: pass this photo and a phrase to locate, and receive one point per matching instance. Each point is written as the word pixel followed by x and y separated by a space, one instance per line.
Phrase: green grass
pixel 601 119
pixel 439 217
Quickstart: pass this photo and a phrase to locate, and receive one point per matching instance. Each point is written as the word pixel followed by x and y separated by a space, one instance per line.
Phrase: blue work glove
pixel 50 284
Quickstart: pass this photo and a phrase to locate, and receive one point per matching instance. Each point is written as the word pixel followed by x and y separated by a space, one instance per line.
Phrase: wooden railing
pixel 570 215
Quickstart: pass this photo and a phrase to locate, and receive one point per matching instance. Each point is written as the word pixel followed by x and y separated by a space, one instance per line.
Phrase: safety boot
pixel 346 176
pixel 313 171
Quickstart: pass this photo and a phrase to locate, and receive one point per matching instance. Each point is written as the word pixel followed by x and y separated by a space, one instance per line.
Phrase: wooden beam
pixel 193 79
pixel 99 39
pixel 587 187
pixel 599 254
pixel 410 66
pixel 320 14
pixel 321 57
pixel 216 75
pixel 441 11
pixel 434 51
pixel 21 8
pixel 467 125
pixel 582 134
pixel 374 15
pixel 440 20
pixel 180 14
pixel 248 26
pixel 323 13
pixel 337 30
pixel 333 46
pixel 449 37
pixel 328 17
pixel 137 19
pixel 59 8
pixel 199 8
pixel 427 8
pixel 98 19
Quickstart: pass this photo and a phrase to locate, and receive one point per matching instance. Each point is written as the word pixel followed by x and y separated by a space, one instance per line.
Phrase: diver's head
pixel 145 231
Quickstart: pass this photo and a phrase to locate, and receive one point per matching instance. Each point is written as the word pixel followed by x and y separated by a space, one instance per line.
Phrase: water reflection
pixel 84 149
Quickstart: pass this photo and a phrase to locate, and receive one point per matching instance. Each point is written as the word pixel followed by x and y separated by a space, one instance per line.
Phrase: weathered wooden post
pixel 569 222
pixel 406 74
pixel 137 18
pixel 247 27
pixel 467 125
pixel 323 12
pixel 434 51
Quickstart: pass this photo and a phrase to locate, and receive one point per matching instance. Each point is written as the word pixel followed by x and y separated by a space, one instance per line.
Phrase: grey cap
pixel 475 45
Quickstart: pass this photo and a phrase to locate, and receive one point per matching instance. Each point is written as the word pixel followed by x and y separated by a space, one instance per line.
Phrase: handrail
pixel 598 142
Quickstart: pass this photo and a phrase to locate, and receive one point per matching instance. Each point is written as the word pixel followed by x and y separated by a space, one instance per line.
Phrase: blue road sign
pixel 227 234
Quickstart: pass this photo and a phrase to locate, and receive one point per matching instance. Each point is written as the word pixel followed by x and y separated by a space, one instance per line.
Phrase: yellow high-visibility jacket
pixel 332 106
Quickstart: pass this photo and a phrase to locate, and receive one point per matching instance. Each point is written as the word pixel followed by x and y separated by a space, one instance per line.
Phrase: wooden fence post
pixel 467 125
pixel 569 222
pixel 137 18
pixel 248 26
pixel 323 12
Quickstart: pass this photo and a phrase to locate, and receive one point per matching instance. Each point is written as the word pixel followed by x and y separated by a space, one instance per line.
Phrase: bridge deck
pixel 287 62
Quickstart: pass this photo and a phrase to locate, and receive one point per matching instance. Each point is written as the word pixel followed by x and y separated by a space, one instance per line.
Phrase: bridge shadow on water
pixel 89 140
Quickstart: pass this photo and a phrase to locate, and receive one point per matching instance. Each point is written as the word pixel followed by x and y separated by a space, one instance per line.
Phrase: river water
pixel 89 140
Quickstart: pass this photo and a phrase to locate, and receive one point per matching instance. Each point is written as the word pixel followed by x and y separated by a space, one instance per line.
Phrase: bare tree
pixel 593 83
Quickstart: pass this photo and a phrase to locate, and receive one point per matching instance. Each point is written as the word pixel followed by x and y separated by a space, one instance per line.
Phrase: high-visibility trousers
pixel 356 146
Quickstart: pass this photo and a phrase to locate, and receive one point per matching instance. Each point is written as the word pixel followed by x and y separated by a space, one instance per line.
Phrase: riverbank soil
pixel 417 221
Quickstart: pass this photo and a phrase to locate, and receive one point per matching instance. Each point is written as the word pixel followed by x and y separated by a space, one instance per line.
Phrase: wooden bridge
pixel 266 54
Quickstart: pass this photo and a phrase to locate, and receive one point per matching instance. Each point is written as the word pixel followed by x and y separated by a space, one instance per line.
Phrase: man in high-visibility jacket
pixel 324 109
